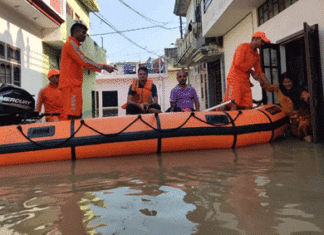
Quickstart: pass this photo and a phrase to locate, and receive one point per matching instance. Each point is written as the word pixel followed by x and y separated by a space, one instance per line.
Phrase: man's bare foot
pixel 152 110
pixel 308 139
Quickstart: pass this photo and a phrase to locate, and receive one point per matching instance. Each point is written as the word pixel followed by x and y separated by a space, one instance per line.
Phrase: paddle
pixel 219 105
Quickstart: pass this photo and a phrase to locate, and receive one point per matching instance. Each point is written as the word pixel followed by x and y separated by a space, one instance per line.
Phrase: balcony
pixel 194 49
pixel 186 48
pixel 35 12
pixel 222 15
pixel 181 7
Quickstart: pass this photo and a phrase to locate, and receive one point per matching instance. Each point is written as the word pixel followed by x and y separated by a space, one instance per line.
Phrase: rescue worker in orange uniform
pixel 142 95
pixel 246 58
pixel 51 97
pixel 72 63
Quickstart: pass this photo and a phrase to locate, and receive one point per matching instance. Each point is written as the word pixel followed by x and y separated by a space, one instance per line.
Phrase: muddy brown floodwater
pixel 275 188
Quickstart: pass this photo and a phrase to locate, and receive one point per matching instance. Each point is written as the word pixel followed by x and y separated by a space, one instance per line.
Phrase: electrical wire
pixel 144 17
pixel 130 30
pixel 120 33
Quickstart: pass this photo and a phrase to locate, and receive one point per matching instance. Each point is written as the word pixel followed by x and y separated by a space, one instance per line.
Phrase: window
pixel 16 76
pixel 5 73
pixel 10 71
pixel 69 10
pixel 57 5
pixel 207 4
pixel 198 13
pixel 109 103
pixel 13 54
pixel 2 50
pixel 271 8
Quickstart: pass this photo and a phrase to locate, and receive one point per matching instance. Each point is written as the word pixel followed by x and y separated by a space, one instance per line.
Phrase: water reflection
pixel 276 188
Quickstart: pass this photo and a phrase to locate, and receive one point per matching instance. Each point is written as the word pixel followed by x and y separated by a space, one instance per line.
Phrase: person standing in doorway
pixel 72 63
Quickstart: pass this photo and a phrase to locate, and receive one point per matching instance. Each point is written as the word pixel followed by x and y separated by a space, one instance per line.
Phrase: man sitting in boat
pixel 142 95
pixel 51 97
pixel 183 96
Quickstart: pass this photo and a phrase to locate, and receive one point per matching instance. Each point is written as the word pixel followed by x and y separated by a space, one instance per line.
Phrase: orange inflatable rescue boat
pixel 128 135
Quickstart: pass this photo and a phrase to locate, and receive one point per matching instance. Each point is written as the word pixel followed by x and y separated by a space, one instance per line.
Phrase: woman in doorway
pixel 294 100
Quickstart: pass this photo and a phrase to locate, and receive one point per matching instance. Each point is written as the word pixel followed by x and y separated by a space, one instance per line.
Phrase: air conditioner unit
pixel 195 29
pixel 214 40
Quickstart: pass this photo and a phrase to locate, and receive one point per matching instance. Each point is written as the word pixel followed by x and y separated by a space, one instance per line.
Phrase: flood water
pixel 276 188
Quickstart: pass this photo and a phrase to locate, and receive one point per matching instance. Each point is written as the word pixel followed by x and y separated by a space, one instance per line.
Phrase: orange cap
pixel 53 72
pixel 262 36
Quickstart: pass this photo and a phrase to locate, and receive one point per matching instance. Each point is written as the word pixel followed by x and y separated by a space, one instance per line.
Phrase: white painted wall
pixel 214 12
pixel 121 85
pixel 27 37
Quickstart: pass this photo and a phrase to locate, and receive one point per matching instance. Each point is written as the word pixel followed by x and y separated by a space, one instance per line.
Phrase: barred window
pixel 2 50
pixel 69 10
pixel 5 72
pixel 271 8
pixel 16 76
pixel 13 54
pixel 207 4
pixel 10 71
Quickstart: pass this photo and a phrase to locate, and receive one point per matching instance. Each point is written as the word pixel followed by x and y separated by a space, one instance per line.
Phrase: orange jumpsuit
pixel 71 76
pixel 238 83
pixel 51 97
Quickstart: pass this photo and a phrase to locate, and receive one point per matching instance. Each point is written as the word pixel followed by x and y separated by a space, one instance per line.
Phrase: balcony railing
pixel 187 44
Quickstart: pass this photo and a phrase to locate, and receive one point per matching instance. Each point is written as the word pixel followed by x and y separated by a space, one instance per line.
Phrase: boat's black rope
pixel 139 117
pixel 114 134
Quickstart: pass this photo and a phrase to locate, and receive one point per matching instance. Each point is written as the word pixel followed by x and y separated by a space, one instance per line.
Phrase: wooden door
pixel 314 79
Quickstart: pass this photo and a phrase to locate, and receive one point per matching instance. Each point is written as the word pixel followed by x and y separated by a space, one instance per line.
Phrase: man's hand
pixel 109 68
pixel 306 96
pixel 143 107
pixel 254 74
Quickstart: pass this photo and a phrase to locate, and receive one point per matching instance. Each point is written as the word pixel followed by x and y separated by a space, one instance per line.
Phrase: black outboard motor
pixel 16 105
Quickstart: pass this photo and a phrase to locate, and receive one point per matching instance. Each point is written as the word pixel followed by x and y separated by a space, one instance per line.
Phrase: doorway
pixel 303 63
pixel 214 83
pixel 295 61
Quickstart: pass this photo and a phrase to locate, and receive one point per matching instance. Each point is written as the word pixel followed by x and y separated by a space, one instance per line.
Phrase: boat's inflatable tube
pixel 140 134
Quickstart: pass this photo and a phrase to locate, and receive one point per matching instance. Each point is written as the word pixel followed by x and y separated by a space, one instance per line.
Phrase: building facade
pixel 295 28
pixel 112 88
pixel 23 25
pixel 32 35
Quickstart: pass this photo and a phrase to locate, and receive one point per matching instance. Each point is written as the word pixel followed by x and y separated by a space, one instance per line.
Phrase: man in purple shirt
pixel 183 96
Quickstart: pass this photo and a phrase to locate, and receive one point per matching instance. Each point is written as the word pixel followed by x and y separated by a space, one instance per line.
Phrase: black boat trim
pixel 141 135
